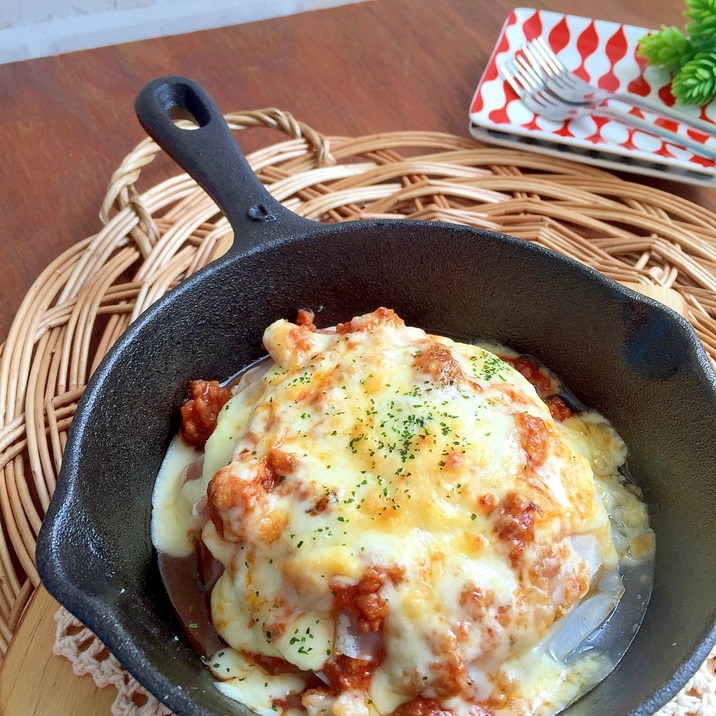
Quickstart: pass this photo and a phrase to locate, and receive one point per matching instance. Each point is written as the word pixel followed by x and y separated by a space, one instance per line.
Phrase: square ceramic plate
pixel 603 53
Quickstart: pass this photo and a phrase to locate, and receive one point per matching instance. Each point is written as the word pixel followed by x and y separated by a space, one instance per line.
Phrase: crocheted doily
pixel 89 656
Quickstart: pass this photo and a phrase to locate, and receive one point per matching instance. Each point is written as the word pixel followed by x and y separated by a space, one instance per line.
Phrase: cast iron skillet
pixel 626 356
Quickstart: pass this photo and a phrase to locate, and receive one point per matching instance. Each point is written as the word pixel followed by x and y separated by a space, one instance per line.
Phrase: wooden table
pixel 66 122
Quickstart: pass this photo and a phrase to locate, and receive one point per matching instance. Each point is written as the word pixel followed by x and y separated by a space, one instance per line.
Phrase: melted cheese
pixel 408 502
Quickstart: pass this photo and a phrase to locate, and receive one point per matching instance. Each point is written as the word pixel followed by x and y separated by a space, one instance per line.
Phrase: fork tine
pixel 534 56
pixel 541 53
pixel 541 68
pixel 511 74
pixel 552 61
pixel 521 81
pixel 545 51
pixel 517 70
pixel 559 73
pixel 527 85
pixel 532 77
pixel 505 70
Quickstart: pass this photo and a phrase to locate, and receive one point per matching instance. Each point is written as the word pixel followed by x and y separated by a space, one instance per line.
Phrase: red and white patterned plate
pixel 603 53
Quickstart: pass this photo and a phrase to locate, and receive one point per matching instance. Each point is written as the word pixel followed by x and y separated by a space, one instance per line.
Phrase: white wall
pixel 38 28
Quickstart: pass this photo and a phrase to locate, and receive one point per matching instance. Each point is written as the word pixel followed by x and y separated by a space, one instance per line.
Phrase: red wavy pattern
pixel 587 44
pixel 532 27
pixel 615 50
pixel 596 137
pixel 558 38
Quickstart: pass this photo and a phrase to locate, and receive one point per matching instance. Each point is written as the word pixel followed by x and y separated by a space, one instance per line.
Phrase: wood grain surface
pixel 35 682
pixel 66 122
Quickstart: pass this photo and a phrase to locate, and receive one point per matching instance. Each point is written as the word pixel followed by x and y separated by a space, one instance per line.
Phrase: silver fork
pixel 566 84
pixel 530 88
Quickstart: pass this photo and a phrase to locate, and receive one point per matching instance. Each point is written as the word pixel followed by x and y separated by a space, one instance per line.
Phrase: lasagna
pixel 402 523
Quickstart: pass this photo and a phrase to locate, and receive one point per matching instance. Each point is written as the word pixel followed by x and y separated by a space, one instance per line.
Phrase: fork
pixel 566 84
pixel 535 95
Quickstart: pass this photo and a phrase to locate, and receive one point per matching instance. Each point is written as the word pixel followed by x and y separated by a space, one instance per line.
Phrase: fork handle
pixel 651 128
pixel 663 111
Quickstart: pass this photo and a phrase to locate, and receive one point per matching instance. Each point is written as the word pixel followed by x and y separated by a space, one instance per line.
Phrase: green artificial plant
pixel 689 54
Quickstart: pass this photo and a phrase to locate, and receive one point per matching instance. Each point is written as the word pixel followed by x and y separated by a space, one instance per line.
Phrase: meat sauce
pixel 189 580
pixel 359 607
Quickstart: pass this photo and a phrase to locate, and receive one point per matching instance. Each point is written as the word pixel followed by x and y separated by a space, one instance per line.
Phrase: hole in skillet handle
pixel 209 153
pixel 181 101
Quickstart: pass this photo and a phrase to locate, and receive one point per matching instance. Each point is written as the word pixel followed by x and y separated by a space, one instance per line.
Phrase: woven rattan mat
pixel 155 236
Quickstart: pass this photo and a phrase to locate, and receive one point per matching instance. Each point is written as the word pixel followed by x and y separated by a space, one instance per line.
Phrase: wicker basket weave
pixel 156 237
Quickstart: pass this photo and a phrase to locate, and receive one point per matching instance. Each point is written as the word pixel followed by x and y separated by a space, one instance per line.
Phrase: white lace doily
pixel 89 656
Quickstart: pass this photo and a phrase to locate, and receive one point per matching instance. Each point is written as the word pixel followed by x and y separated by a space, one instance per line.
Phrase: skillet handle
pixel 209 153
